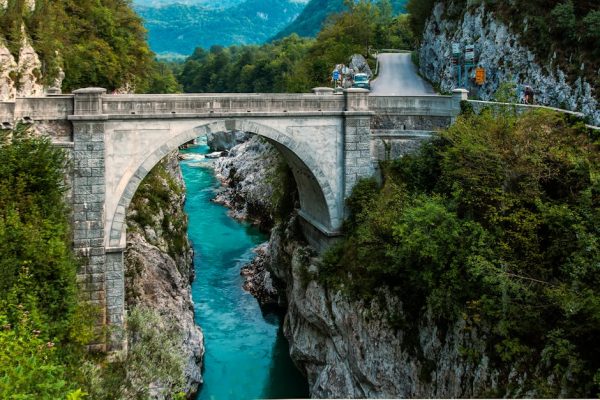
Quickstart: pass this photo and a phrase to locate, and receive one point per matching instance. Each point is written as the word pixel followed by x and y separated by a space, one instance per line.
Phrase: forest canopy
pixel 96 43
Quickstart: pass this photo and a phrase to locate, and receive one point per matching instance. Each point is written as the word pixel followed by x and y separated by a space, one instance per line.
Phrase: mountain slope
pixel 179 28
pixel 310 21
pixel 95 43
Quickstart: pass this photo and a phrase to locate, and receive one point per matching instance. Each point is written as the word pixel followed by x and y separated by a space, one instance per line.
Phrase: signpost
pixel 455 59
pixel 455 50
pixel 469 59
pixel 469 53
pixel 336 77
pixel 480 76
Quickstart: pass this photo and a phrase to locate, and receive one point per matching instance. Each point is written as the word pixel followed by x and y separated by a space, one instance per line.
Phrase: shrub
pixel 498 222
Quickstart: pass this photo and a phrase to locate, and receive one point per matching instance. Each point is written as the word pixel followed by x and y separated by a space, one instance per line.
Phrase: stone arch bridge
pixel 329 140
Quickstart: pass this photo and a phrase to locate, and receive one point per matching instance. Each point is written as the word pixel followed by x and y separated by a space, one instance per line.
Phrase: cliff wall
pixel 159 262
pixel 350 348
pixel 505 59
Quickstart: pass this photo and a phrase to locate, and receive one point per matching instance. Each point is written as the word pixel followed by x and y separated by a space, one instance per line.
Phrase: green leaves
pixel 498 222
pixel 96 43
pixel 295 64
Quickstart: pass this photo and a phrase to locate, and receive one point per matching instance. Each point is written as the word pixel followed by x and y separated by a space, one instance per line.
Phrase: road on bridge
pixel 398 77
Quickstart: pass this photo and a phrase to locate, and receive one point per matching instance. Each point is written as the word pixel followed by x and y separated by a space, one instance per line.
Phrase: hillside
pixel 310 21
pixel 73 44
pixel 179 28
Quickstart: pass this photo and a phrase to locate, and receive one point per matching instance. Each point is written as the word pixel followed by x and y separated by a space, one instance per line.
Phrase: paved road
pixel 398 77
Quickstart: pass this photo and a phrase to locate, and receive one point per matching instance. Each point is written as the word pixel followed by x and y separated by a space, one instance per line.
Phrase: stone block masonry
pixel 116 140
pixel 88 212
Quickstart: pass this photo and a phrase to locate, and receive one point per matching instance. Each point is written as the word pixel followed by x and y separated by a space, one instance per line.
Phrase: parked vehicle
pixel 361 81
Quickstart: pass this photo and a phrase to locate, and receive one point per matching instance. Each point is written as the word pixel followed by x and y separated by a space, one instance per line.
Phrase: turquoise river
pixel 247 356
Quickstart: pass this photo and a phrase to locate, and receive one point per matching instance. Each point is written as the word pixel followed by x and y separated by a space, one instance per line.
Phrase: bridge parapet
pixel 219 103
pixel 52 108
pixel 435 106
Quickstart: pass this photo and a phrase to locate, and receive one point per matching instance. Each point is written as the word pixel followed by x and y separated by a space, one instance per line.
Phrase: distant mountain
pixel 179 28
pixel 311 20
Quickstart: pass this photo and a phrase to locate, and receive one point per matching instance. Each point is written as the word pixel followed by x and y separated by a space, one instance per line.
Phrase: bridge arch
pixel 318 202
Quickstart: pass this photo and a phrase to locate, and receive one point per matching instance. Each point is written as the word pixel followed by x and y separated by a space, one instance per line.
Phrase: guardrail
pixel 51 108
pixel 479 105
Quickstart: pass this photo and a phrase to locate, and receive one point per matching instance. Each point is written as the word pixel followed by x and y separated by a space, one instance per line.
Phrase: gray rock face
pixel 349 349
pixel 224 141
pixel 257 278
pixel 359 64
pixel 159 263
pixel 247 175
pixel 499 51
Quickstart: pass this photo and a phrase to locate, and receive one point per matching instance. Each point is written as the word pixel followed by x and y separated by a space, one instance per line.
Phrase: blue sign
pixel 336 75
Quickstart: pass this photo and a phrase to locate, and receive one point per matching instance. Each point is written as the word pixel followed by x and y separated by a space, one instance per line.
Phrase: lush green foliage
pixel 96 43
pixel 34 229
pixel 314 16
pixel 293 64
pixel 496 222
pixel 41 323
pixel 268 68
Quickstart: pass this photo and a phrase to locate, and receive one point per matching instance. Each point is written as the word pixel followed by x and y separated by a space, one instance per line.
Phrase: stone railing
pixel 435 106
pixel 51 108
pixel 219 103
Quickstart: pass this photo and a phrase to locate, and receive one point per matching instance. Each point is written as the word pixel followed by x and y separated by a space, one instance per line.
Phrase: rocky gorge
pixel 159 262
pixel 350 348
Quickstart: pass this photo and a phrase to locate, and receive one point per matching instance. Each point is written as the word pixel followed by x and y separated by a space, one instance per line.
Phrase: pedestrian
pixel 528 95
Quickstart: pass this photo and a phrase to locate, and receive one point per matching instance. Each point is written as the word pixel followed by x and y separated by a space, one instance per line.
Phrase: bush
pixel 564 23
pixel 152 366
pixel 41 329
pixel 496 222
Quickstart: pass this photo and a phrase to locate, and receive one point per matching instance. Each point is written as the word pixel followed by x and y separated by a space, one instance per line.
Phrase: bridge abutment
pixel 357 139
pixel 326 139
pixel 101 277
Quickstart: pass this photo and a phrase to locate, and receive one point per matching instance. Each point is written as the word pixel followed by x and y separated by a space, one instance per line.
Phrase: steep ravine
pixel 159 260
pixel 351 349
pixel 505 59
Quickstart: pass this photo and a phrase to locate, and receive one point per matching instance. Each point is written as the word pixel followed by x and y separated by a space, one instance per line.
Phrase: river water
pixel 247 356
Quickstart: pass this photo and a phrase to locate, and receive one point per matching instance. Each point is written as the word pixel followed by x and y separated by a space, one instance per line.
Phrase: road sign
pixel 469 52
pixel 480 76
pixel 336 75
pixel 455 49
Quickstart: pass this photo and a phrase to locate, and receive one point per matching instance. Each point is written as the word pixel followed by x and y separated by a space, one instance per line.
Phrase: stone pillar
pixel 458 95
pixel 357 138
pixel 89 199
pixel 322 91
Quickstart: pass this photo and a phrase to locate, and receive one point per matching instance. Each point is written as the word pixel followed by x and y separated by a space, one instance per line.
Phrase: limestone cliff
pixel 501 53
pixel 158 259
pixel 22 78
pixel 248 174
pixel 349 348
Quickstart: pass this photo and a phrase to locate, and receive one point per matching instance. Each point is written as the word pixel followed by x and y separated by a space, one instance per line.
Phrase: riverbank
pixel 246 353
